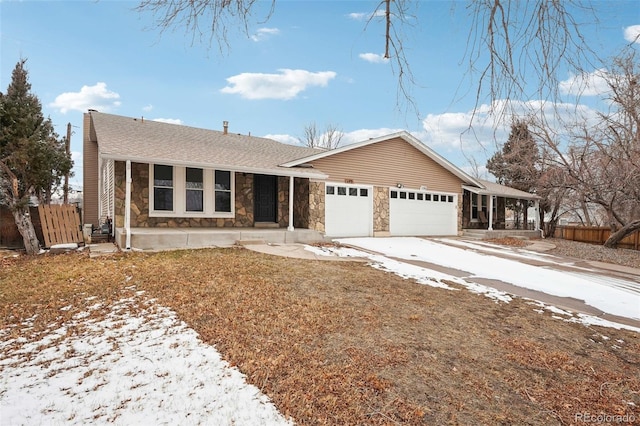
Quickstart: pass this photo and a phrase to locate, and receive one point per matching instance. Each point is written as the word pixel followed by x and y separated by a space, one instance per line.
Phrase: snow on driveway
pixel 616 296
pixel 125 369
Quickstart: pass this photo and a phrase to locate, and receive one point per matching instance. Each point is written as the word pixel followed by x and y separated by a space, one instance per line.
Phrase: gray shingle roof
pixel 493 188
pixel 135 139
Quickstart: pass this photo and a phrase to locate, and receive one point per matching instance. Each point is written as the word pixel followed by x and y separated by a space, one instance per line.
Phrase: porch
pixel 498 211
pixel 485 234
pixel 157 239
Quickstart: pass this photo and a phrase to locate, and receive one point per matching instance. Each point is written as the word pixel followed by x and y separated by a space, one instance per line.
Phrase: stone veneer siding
pixel 316 206
pixel 283 201
pixel 380 209
pixel 300 203
pixel 140 202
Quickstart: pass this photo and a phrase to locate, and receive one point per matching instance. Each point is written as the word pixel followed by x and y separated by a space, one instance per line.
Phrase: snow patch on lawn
pixel 125 369
pixel 611 295
pixel 616 296
pixel 408 271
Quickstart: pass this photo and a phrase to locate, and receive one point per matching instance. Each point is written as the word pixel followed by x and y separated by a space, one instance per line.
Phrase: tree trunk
pixel 587 218
pixel 28 232
pixel 617 236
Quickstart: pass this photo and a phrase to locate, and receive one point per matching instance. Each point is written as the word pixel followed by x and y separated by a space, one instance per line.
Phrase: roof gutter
pixel 284 172
pixel 482 191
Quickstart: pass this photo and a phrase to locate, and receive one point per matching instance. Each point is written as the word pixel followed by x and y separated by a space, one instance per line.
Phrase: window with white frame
pixel 478 203
pixel 474 206
pixel 162 188
pixel 223 194
pixel 195 190
pixel 190 192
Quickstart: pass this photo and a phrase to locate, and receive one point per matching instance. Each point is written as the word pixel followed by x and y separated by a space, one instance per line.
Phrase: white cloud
pixel 264 33
pixel 359 16
pixel 487 126
pixel 454 130
pixel 366 134
pixel 632 34
pixel 374 58
pixel 348 138
pixel 285 85
pixel 586 84
pixel 89 97
pixel 288 139
pixel 169 120
pixel 147 108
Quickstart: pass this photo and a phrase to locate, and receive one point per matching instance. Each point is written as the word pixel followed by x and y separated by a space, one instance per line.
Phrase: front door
pixel 265 189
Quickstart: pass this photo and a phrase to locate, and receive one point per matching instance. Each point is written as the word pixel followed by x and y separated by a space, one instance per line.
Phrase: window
pixel 353 192
pixel 403 195
pixel 195 190
pixel 162 187
pixel 443 198
pixel 331 190
pixel 223 191
pixel 394 194
pixel 436 197
pixel 427 197
pixel 176 191
pixel 412 195
pixel 364 192
pixel 420 196
pixel 450 198
pixel 474 205
pixel 342 190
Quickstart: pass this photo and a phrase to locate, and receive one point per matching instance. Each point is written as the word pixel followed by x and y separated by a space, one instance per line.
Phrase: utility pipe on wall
pixel 127 207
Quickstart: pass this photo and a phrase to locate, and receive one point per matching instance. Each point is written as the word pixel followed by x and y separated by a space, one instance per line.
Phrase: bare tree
pixel 329 139
pixel 602 161
pixel 507 41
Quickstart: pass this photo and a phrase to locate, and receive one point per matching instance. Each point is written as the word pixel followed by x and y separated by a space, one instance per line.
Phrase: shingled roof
pixel 493 188
pixel 125 138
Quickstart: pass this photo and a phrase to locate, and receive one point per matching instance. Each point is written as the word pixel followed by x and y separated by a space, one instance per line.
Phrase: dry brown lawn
pixel 343 343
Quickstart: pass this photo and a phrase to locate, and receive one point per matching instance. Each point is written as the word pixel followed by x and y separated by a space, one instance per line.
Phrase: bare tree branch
pixel 329 139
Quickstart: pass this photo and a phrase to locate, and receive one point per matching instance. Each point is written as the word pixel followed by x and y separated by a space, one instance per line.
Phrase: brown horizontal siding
pixel 89 173
pixel 388 163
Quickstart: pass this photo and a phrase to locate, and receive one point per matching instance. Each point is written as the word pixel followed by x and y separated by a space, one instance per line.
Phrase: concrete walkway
pixel 102 249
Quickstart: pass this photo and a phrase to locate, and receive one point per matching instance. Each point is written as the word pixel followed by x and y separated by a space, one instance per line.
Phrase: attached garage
pixel 348 210
pixel 422 213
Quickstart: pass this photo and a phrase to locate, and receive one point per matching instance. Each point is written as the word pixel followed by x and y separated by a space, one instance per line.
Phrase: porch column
pixel 290 227
pixel 536 217
pixel 127 206
pixel 490 227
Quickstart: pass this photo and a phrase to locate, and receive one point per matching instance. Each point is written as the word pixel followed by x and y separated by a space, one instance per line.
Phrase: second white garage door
pixel 422 213
pixel 348 210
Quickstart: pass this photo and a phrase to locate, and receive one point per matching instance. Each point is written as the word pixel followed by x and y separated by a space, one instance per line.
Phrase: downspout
pixel 127 207
pixel 537 218
pixel 290 227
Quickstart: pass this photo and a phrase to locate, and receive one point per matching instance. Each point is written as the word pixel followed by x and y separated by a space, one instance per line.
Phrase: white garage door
pixel 422 213
pixel 348 210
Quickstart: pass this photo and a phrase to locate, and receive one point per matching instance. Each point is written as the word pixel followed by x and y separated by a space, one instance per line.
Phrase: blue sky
pixel 312 61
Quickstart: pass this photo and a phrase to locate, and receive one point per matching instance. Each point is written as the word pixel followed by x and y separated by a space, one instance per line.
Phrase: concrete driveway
pixel 598 289
pixel 601 290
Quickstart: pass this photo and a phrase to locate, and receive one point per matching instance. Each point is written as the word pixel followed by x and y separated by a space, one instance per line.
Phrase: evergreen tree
pixel 517 165
pixel 32 158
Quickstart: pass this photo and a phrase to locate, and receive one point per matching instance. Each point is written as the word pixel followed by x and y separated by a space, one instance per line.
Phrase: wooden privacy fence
pixel 60 224
pixel 595 235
